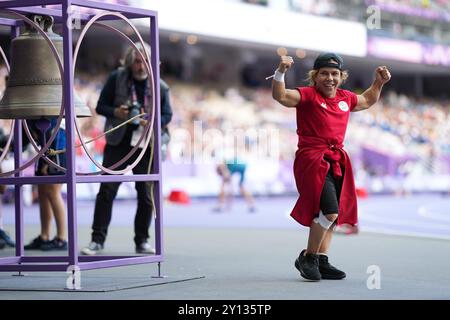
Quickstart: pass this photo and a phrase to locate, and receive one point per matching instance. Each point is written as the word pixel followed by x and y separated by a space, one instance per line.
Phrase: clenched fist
pixel 382 74
pixel 285 63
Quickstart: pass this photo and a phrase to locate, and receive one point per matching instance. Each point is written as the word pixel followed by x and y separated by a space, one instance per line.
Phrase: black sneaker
pixel 308 265
pixel 328 271
pixel 36 243
pixel 2 243
pixel 55 244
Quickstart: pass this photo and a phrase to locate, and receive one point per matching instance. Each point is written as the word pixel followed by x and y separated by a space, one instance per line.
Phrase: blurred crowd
pixel 319 7
pixel 415 124
pixel 399 126
pixel 399 19
pixel 436 5
pixel 330 7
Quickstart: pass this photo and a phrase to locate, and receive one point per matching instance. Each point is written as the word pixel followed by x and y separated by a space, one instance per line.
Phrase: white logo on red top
pixel 343 106
pixel 324 105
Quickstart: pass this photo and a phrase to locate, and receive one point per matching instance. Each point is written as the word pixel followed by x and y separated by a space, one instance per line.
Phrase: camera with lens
pixel 134 109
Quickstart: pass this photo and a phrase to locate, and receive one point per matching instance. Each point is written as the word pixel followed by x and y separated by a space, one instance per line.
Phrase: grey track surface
pixel 258 264
pixel 245 256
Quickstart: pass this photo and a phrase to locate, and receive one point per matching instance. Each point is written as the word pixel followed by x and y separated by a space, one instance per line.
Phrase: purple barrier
pixel 411 11
pixel 409 51
pixel 446 160
pixel 380 163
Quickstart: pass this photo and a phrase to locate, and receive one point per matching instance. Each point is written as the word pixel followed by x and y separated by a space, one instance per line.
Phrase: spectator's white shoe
pixel 145 248
pixel 92 249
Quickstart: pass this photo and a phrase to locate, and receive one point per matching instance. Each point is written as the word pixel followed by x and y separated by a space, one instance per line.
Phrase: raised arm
pixel 369 97
pixel 288 98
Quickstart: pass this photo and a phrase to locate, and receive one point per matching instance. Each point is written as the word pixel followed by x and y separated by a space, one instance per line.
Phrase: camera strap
pixel 134 98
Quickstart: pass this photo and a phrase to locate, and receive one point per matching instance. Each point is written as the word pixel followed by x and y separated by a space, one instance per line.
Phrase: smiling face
pixel 327 80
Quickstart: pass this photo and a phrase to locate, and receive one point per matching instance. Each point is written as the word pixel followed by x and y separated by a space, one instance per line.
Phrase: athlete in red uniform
pixel 322 168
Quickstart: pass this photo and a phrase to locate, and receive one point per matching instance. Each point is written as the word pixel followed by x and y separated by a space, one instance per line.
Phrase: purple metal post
pixel 127 11
pixel 18 191
pixel 27 3
pixel 56 14
pixel 70 137
pixel 61 263
pixel 154 35
pixel 8 22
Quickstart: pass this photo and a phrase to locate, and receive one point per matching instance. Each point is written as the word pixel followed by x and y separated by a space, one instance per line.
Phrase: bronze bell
pixel 34 88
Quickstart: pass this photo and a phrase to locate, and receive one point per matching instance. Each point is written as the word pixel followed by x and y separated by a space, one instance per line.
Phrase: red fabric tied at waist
pixel 334 156
pixel 337 172
pixel 312 162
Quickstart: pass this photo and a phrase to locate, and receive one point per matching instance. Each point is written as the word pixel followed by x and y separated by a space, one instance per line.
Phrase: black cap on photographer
pixel 330 60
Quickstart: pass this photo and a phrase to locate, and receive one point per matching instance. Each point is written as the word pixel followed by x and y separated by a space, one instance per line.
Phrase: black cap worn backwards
pixel 330 60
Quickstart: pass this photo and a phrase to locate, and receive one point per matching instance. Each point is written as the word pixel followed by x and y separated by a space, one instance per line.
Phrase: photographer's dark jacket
pixel 116 92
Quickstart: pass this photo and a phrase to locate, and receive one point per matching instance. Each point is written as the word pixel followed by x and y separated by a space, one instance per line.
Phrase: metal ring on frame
pixel 149 127
pixel 43 150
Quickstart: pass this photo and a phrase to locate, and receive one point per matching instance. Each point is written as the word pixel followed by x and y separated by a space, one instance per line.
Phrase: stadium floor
pixel 241 255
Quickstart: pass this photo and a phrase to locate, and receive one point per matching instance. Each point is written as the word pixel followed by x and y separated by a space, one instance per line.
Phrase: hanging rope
pixel 52 152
